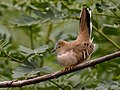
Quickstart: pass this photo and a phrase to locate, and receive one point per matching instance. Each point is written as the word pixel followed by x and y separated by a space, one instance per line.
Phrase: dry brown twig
pixel 39 79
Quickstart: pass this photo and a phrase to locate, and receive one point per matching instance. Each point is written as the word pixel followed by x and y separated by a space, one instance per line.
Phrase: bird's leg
pixel 69 67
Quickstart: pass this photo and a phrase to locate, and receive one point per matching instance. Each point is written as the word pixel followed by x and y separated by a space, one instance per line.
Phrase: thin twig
pixel 57 74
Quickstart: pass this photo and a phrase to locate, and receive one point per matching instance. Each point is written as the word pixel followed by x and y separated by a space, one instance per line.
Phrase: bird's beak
pixel 53 50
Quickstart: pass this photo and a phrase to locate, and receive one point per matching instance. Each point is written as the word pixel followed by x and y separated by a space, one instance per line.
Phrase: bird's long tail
pixel 85 25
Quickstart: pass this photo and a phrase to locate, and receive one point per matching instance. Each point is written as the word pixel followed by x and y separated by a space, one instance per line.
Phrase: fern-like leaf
pixel 5 42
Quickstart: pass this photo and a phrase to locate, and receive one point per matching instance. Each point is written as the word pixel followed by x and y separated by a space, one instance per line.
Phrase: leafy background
pixel 29 30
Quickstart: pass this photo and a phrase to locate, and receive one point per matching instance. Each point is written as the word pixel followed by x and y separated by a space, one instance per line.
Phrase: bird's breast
pixel 68 58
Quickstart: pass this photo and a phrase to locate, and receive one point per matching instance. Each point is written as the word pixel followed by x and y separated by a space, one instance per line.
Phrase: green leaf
pixel 104 4
pixel 29 69
pixel 98 7
pixel 101 87
pixel 74 80
pixel 25 20
pixel 51 13
pixel 5 41
pixel 41 14
pixel 106 85
pixel 110 30
pixel 41 49
pixel 42 5
pixel 27 51
pixel 56 11
pixel 49 87
pixel 95 23
pixel 58 14
pixel 68 87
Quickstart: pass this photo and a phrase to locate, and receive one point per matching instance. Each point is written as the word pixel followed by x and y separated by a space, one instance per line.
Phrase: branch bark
pixel 39 79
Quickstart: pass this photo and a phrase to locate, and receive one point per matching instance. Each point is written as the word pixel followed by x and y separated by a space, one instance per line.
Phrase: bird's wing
pixel 83 51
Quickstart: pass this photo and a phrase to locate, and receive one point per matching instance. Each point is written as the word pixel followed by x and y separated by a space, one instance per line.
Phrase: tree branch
pixel 39 79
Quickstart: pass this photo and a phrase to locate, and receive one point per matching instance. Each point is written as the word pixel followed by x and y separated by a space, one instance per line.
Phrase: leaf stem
pixel 31 32
pixel 56 84
pixel 48 33
pixel 111 41
pixel 114 13
pixel 31 38
pixel 12 58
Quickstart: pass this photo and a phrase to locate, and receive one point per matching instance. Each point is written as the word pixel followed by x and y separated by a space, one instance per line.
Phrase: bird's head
pixel 59 46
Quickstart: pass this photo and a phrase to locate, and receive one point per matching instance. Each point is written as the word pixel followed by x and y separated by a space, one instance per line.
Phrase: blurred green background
pixel 29 30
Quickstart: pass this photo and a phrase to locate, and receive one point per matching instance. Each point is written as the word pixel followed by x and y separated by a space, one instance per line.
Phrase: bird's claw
pixel 68 68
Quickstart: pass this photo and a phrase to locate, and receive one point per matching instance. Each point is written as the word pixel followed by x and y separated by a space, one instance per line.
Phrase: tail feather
pixel 85 24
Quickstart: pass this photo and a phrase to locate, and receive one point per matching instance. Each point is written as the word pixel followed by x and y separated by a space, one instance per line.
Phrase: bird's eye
pixel 58 46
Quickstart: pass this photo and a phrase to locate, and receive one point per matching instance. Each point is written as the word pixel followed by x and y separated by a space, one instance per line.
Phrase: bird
pixel 79 50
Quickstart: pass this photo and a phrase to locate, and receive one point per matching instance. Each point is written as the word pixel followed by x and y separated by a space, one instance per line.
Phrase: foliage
pixel 29 30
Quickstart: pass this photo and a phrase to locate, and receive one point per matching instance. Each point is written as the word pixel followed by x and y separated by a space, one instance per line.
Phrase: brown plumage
pixel 77 51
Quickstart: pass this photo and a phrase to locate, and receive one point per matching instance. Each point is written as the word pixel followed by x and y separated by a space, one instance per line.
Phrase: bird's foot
pixel 69 67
